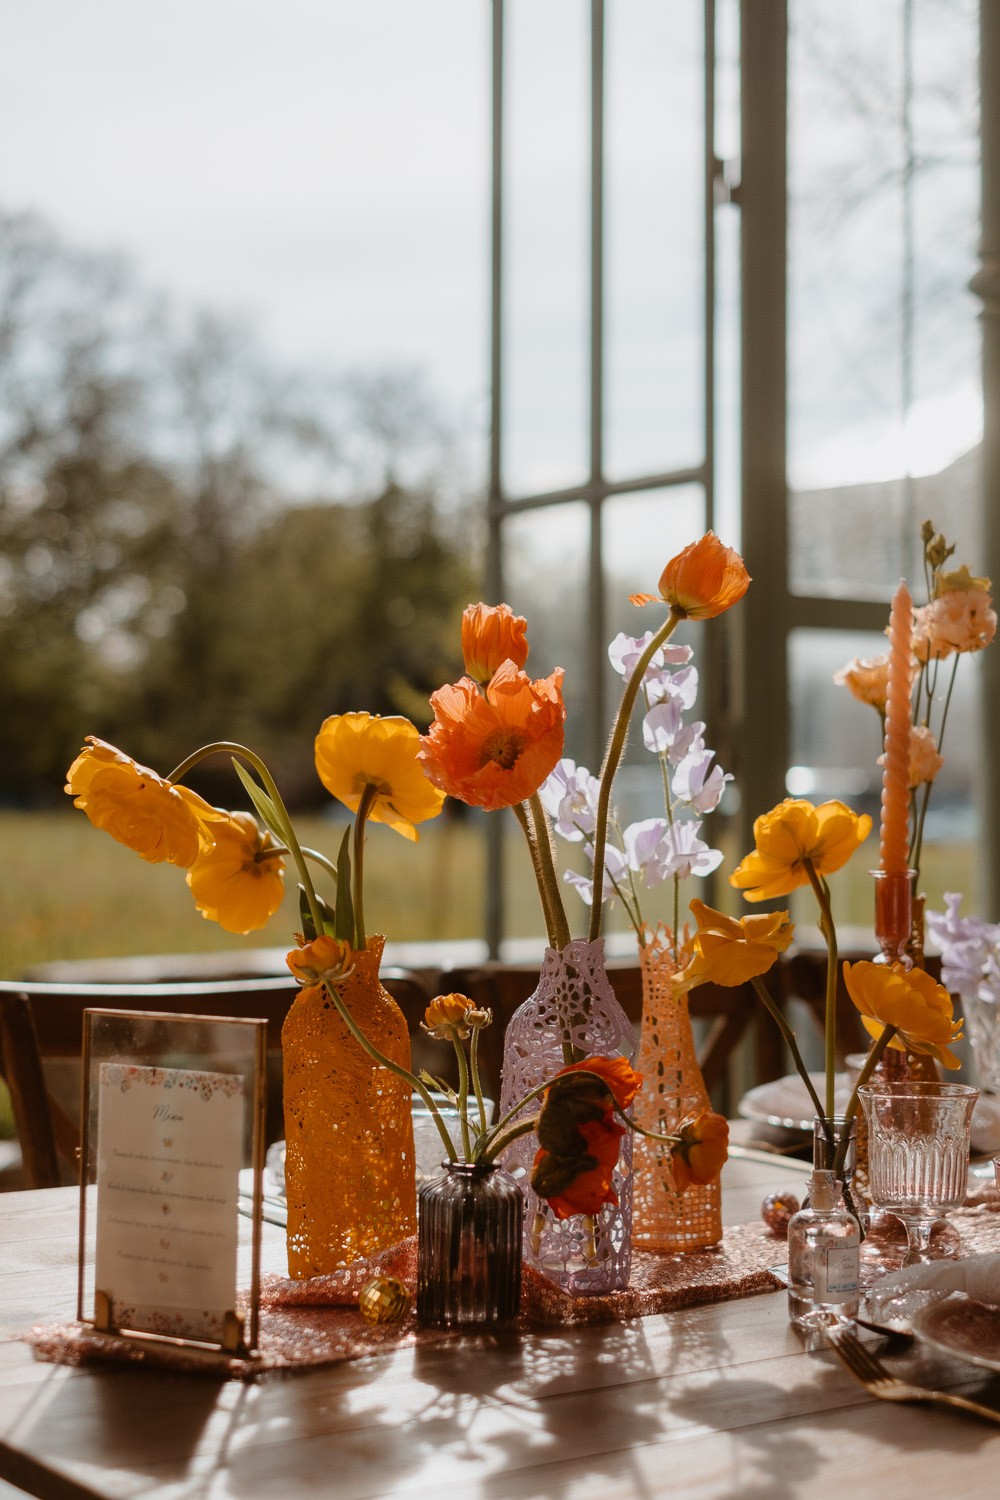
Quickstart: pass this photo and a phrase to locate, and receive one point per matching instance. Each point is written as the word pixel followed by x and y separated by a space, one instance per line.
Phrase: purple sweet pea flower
pixel 615 870
pixel 625 651
pixel 696 784
pixel 665 733
pixel 569 795
pixel 968 949
pixel 658 850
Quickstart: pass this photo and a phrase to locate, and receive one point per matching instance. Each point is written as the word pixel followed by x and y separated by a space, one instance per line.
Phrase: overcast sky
pixel 321 167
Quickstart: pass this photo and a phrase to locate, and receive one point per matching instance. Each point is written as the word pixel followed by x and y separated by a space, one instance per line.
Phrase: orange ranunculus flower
pixel 323 959
pixel 159 821
pixel 236 882
pixel 701 1153
pixel 355 751
pixel 960 620
pixel 909 999
pixel 867 678
pixel 495 749
pixel 729 952
pixel 793 831
pixel 578 1136
pixel 448 1013
pixel 491 635
pixel 703 581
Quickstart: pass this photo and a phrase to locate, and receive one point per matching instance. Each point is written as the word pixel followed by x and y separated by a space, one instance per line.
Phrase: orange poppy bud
pixel 491 635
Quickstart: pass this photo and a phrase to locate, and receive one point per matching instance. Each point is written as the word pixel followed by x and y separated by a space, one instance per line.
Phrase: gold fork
pixel 876 1378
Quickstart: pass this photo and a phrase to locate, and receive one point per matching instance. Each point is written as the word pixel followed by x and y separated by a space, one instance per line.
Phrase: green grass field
pixel 68 891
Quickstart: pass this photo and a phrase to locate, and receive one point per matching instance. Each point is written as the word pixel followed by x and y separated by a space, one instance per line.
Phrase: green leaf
pixel 329 916
pixel 262 802
pixel 344 929
pixel 306 916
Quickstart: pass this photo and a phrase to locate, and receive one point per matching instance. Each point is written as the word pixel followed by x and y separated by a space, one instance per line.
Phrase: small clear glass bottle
pixel 824 1261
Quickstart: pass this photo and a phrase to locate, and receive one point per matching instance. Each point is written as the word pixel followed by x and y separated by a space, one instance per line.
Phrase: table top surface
pixel 712 1401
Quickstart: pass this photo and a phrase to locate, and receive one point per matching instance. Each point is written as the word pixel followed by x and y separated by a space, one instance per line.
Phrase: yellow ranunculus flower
pixel 159 821
pixel 909 999
pixel 323 958
pixel 729 952
pixel 235 882
pixel 792 832
pixel 355 751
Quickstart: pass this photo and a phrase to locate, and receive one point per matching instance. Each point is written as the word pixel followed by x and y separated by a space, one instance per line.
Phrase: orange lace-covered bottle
pixel 349 1161
pixel 673 1088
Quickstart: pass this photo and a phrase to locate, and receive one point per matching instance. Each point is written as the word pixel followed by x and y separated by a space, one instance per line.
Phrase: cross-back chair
pixel 41 1025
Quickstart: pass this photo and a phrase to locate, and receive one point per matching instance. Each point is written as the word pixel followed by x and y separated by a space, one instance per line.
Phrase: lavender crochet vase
pixel 574 1002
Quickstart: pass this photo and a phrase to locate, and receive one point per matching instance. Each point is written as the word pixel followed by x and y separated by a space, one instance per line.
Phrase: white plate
pixel 785 1102
pixel 961 1326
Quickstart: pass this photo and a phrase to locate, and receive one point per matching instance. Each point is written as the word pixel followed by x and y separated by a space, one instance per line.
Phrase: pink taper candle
pixel 894 846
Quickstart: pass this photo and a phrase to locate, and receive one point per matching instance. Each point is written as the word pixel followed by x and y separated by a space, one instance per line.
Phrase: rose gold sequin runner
pixel 304 1324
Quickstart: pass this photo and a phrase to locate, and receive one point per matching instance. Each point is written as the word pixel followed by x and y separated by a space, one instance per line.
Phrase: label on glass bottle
pixel 836 1272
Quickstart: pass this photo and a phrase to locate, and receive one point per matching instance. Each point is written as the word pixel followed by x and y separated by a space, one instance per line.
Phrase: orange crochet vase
pixel 673 1088
pixel 349 1161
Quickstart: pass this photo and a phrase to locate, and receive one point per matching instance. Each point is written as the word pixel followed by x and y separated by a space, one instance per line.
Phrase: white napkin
pixel 977 1276
pixel 986 1125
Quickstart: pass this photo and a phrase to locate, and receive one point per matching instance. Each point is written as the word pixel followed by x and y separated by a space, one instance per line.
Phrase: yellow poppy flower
pixel 909 999
pixel 231 882
pixel 703 581
pixel 729 952
pixel 792 832
pixel 355 751
pixel 160 822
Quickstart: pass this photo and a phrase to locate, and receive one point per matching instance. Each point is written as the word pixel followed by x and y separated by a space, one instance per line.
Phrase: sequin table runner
pixel 304 1324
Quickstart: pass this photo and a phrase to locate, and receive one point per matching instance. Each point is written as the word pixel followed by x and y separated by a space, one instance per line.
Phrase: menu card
pixel 169 1152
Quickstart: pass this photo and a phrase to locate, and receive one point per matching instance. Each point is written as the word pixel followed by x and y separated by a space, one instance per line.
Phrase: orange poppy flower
pixel 491 635
pixel 160 822
pixel 231 882
pixel 495 749
pixel 702 1150
pixel 703 581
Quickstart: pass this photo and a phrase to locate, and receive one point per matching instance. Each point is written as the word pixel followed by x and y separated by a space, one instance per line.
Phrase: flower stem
pixel 393 1067
pixel 790 1039
pixel 521 814
pixel 871 1063
pixel 829 931
pixel 547 866
pixel 463 1092
pixel 365 806
pixel 476 1081
pixel 613 755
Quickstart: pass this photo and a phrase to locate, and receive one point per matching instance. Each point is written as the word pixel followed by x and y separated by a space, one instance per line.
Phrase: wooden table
pixel 714 1401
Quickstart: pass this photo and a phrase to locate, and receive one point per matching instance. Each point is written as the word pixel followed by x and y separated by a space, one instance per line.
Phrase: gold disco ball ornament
pixel 384 1299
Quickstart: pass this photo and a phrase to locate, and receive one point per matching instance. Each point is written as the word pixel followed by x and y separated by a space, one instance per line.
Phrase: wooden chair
pixel 42 1025
pixel 722 1018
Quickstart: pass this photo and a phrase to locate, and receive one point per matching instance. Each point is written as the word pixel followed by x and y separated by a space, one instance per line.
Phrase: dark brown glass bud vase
pixel 469 1247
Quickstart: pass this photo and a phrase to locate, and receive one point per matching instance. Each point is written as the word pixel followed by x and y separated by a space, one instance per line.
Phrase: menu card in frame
pixel 174 1109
